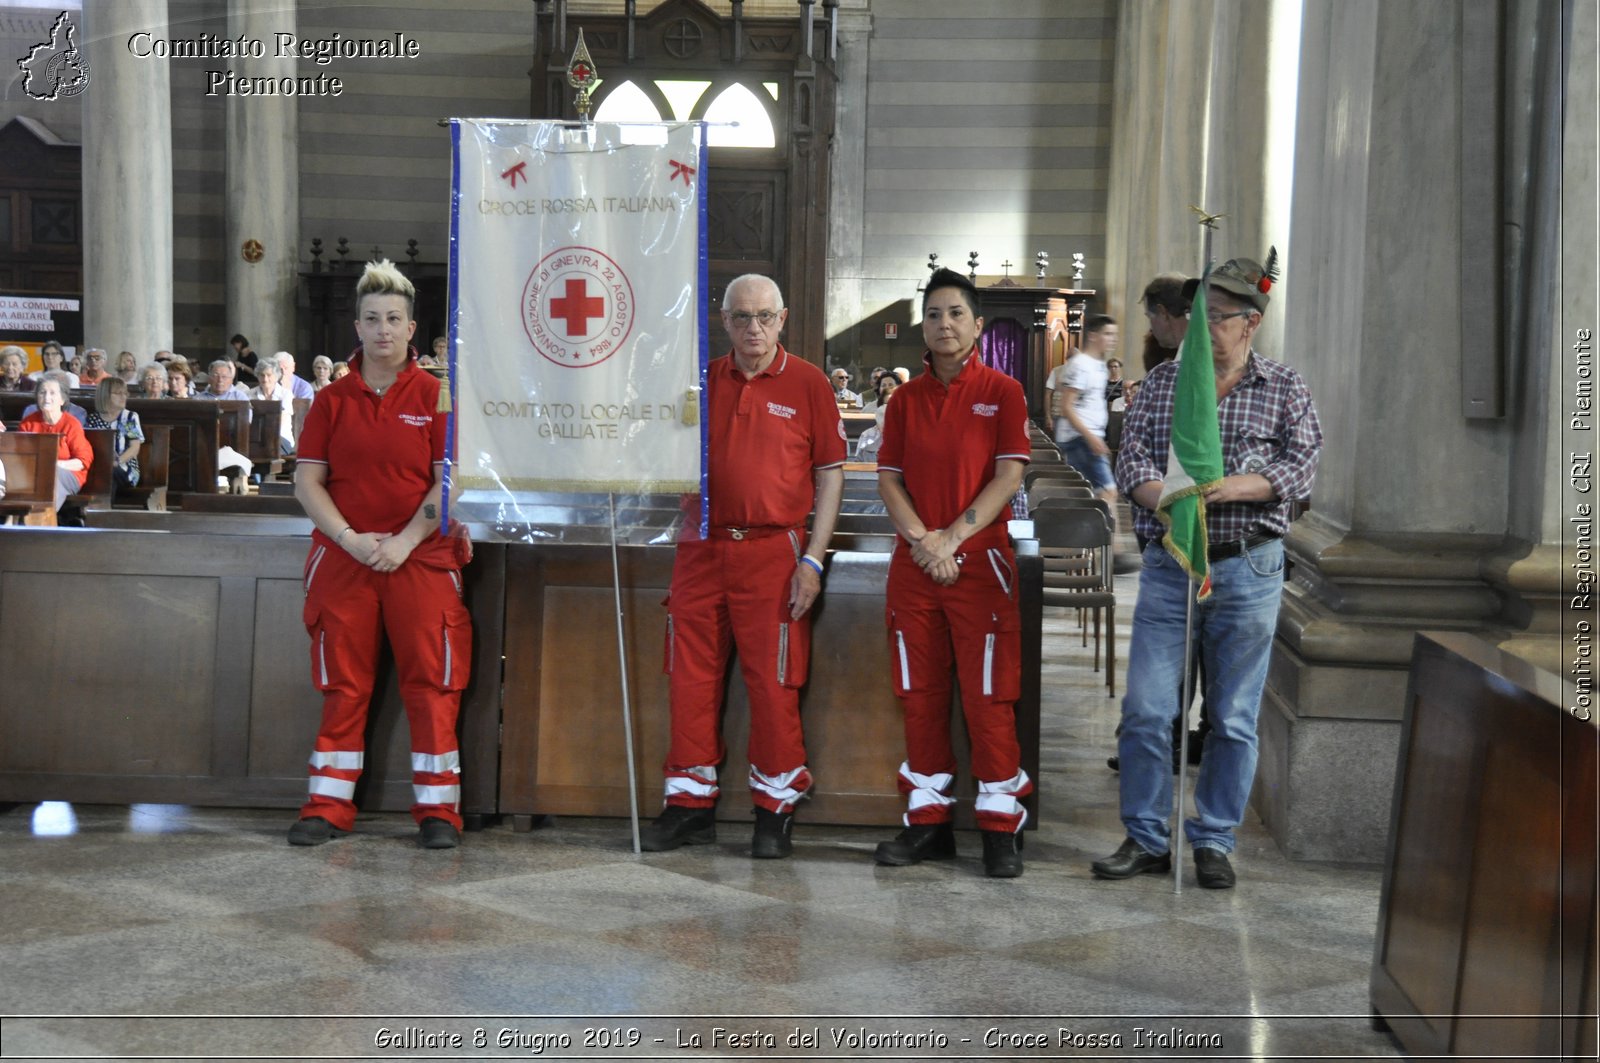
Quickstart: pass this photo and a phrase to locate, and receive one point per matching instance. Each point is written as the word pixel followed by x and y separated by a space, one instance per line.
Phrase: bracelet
pixel 338 540
pixel 813 563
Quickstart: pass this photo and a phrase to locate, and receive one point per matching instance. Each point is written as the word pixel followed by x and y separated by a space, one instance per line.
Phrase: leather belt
pixel 1223 551
pixel 721 531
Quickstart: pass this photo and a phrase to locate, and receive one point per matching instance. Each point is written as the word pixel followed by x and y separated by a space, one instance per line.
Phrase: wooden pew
pixel 154 456
pixel 1486 945
pixel 196 429
pixel 30 464
pixel 96 490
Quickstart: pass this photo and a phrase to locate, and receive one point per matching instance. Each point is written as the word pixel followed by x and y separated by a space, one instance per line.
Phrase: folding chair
pixel 1069 536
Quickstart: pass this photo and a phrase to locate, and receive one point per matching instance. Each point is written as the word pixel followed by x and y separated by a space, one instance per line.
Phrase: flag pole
pixel 1208 225
pixel 1185 696
pixel 622 668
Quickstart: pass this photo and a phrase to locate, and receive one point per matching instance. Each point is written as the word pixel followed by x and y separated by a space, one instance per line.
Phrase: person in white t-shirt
pixel 1078 406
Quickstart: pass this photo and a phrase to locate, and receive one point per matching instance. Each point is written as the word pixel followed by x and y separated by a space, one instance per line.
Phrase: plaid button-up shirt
pixel 1268 426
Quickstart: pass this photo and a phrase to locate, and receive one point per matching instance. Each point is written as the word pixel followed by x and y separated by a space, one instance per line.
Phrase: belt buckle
pixel 737 534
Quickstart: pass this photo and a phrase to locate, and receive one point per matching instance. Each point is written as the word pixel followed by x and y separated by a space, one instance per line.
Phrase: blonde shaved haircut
pixel 384 278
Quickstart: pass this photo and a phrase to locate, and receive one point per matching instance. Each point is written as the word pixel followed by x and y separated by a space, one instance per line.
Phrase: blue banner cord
pixel 705 337
pixel 452 325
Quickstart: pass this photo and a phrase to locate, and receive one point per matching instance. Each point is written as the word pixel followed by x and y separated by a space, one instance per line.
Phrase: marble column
pixel 1202 115
pixel 1160 130
pixel 263 187
pixel 127 182
pixel 842 305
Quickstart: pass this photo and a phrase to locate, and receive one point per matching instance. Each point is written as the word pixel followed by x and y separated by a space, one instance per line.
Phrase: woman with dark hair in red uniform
pixel 370 475
pixel 954 443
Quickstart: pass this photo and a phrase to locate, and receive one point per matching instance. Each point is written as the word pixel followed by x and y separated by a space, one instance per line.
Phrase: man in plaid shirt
pixel 1270 444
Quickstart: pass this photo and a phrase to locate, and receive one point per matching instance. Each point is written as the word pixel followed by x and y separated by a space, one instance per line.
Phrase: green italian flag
pixel 1194 453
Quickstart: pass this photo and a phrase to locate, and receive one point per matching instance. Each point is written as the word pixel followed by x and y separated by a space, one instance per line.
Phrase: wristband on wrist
pixel 813 563
pixel 338 540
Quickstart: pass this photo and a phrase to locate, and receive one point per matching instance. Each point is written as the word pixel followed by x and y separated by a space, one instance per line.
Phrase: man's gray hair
pixel 223 361
pixel 280 356
pixel 751 278
pixel 153 369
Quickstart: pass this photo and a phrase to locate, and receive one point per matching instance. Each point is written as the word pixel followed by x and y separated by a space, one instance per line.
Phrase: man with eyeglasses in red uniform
pixel 776 445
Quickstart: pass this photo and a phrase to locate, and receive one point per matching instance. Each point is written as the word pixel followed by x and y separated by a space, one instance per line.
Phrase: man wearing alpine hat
pixel 1270 443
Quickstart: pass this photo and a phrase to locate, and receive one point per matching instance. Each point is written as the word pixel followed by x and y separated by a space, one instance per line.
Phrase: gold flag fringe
pixel 1183 560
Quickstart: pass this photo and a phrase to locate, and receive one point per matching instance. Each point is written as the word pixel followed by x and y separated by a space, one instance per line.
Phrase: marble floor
pixel 166 931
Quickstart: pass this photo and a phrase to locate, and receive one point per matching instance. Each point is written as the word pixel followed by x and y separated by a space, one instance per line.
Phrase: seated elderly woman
pixel 55 360
pixel 73 453
pixel 321 372
pixel 153 381
pixel 179 380
pixel 111 411
pixel 272 389
pixel 13 369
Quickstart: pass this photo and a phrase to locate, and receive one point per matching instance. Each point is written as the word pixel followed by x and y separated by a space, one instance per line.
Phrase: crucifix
pixel 1006 265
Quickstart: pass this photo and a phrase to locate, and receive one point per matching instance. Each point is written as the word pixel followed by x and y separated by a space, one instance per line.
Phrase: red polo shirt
pixel 380 451
pixel 944 440
pixel 768 434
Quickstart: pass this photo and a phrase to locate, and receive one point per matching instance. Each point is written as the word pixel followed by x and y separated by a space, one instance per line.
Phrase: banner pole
pixel 1185 696
pixel 622 667
pixel 1208 223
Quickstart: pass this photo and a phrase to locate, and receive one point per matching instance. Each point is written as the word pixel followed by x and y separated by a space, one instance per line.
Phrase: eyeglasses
pixel 739 319
pixel 1214 318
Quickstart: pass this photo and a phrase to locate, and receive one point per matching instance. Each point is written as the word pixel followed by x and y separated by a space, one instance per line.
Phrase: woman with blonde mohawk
pixel 370 476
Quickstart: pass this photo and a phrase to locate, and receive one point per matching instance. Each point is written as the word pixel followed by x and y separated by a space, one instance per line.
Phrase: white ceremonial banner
pixel 577 316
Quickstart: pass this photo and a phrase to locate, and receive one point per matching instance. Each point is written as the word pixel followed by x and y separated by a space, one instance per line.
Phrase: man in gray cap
pixel 1270 444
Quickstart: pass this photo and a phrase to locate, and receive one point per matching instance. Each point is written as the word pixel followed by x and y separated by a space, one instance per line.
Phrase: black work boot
pixel 1002 855
pixel 772 839
pixel 679 825
pixel 313 830
pixel 436 833
pixel 919 842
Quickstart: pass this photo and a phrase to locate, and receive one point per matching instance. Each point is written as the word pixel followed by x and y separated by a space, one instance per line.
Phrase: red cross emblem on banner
pixel 681 169
pixel 577 306
pixel 519 170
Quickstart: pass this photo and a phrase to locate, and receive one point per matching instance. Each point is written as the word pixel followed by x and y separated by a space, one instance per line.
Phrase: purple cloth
pixel 1004 346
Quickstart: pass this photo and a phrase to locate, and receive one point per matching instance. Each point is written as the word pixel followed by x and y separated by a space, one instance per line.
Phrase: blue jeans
pixel 1234 628
pixel 1096 468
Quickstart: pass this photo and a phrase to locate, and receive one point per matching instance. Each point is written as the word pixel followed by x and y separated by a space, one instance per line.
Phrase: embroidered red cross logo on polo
pixel 577 307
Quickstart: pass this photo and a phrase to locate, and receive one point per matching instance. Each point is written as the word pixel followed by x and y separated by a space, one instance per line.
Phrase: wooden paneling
pixel 83 709
pixel 207 697
pixel 1486 925
pixel 563 749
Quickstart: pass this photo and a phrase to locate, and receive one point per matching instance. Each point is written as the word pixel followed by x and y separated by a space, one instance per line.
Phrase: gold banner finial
pixel 582 76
